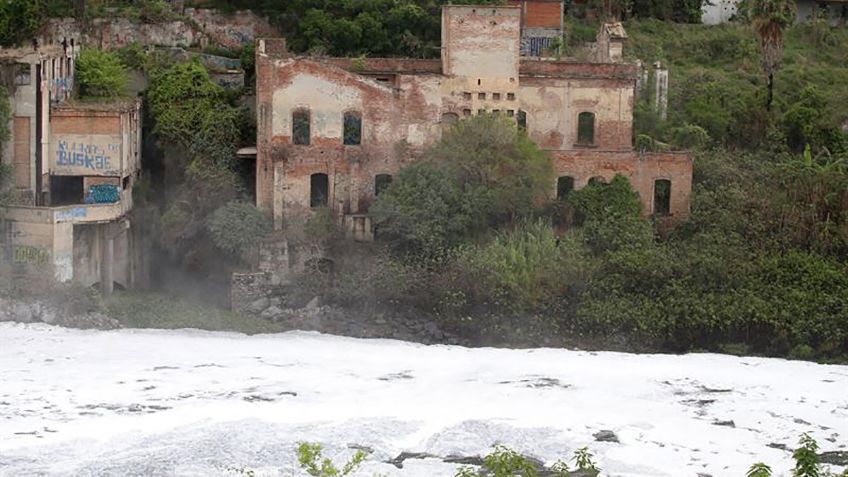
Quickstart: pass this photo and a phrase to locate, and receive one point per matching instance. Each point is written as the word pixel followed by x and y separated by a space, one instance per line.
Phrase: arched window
pixel 662 197
pixel 586 129
pixel 301 127
pixel 381 183
pixel 522 119
pixel 597 181
pixel 319 188
pixel 565 185
pixel 352 128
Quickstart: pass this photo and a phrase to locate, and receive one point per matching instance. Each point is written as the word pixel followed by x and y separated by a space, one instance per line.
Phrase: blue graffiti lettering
pixel 89 156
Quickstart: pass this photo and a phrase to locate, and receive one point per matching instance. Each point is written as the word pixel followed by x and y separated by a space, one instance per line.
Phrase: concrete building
pixel 74 167
pixel 333 131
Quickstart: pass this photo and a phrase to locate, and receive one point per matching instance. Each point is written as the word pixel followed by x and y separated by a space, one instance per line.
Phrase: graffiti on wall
pixel 69 215
pixel 86 155
pixel 26 254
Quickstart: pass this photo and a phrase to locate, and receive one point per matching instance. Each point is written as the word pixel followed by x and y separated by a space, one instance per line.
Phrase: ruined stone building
pixel 74 166
pixel 333 131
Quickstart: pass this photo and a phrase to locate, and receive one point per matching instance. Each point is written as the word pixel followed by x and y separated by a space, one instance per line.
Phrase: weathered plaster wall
pixel 481 42
pixel 552 108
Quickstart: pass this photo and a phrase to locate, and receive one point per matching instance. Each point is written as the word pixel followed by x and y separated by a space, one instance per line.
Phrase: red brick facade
pixel 404 105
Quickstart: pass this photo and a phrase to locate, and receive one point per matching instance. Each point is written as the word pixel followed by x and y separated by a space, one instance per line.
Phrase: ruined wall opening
pixel 381 183
pixel 448 121
pixel 352 128
pixel 522 119
pixel 586 129
pixel 301 127
pixel 565 185
pixel 319 188
pixel 597 181
pixel 662 197
pixel 66 190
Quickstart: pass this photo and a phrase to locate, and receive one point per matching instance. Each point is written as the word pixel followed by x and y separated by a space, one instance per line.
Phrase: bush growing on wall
pixel 101 74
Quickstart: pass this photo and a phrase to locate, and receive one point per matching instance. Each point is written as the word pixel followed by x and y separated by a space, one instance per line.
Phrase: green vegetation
pixel 374 28
pixel 101 74
pixel 717 84
pixel 806 462
pixel 19 20
pixel 237 227
pixel 311 459
pixel 482 174
pixel 200 128
pixel 161 310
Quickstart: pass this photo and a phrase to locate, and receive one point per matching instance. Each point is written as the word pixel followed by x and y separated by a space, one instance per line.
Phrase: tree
pixel 19 20
pixel 101 74
pixel 503 174
pixel 237 227
pixel 759 470
pixel 484 172
pixel 770 19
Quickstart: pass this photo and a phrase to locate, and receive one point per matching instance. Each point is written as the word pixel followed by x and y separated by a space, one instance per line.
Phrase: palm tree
pixel 770 19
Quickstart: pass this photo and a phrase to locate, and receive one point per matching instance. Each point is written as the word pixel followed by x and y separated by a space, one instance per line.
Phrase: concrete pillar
pixel 661 98
pixel 107 260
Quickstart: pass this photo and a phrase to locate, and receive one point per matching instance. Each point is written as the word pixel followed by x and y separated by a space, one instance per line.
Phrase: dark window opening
pixel 662 197
pixel 481 111
pixel 510 96
pixel 481 96
pixel 510 113
pixel 466 112
pixel 597 181
pixel 22 75
pixel 565 185
pixel 352 128
pixel 319 188
pixel 66 190
pixel 522 119
pixel 381 183
pixel 300 127
pixel 586 129
pixel 496 111
pixel 466 96
pixel 126 183
pixel 384 79
pixel 496 96
pixel 448 120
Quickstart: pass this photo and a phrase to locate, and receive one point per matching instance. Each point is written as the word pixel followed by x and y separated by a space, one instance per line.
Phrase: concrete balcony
pixel 72 214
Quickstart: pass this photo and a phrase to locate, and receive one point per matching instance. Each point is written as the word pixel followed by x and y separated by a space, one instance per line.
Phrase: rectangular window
pixel 466 96
pixel 586 129
pixel 466 112
pixel 496 96
pixel 481 96
pixel 352 128
pixel 481 111
pixel 319 188
pixel 301 127
pixel 510 96
pixel 510 113
pixel 662 197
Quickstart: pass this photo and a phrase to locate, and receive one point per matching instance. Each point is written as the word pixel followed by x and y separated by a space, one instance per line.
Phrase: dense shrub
pixel 237 227
pixel 483 173
pixel 19 20
pixel 101 74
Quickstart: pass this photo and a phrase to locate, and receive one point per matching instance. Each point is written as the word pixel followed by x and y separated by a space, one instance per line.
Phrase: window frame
pixel 294 122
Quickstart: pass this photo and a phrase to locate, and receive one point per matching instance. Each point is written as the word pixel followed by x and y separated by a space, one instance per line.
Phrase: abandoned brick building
pixel 333 131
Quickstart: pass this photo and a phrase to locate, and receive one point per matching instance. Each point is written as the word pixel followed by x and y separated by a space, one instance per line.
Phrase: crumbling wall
pixel 643 170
